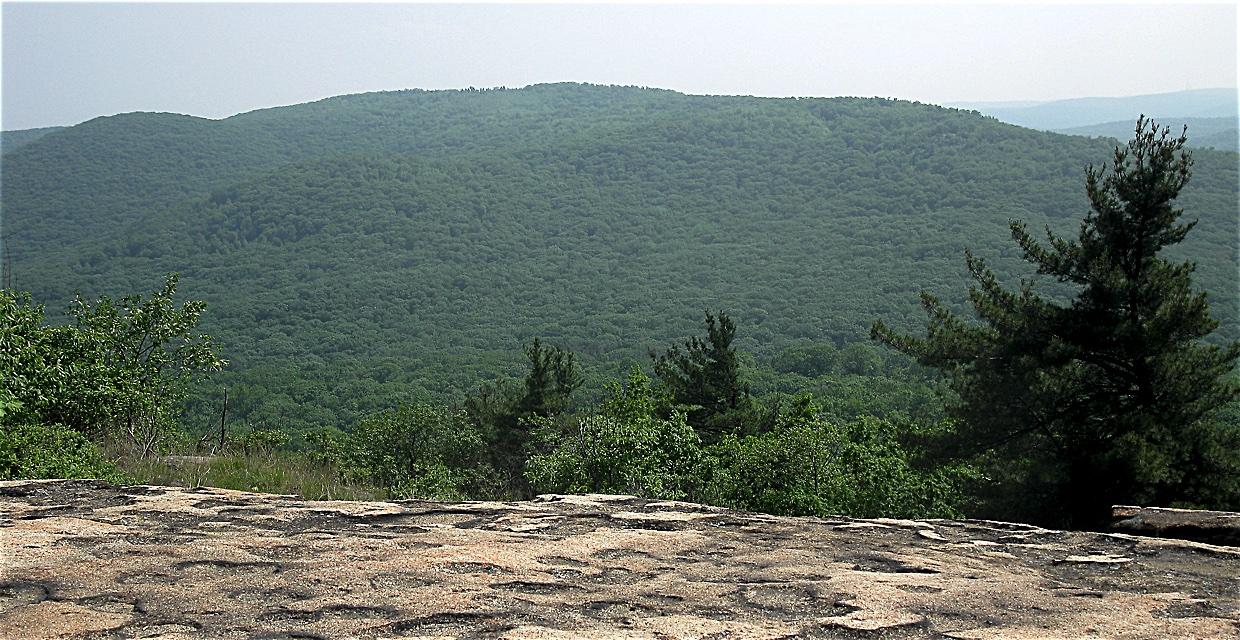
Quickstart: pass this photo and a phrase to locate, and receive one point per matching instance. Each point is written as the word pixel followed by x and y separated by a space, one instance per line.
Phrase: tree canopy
pixel 1109 397
pixel 366 251
pixel 703 378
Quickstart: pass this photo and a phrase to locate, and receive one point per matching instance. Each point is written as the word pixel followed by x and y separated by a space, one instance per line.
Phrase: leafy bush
pixel 809 465
pixel 261 440
pixel 121 371
pixel 40 451
pixel 625 448
pixel 417 451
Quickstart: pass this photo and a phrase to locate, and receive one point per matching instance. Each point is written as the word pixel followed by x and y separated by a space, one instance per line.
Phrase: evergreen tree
pixel 704 375
pixel 551 381
pixel 1110 398
pixel 504 411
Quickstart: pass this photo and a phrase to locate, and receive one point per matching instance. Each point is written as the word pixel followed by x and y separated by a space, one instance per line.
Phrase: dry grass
pixel 263 472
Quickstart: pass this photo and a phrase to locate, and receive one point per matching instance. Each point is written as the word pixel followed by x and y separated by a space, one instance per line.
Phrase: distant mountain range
pixel 1205 133
pixel 369 248
pixel 1212 115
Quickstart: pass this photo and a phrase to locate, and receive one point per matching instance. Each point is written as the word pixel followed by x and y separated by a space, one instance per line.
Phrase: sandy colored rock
pixel 81 559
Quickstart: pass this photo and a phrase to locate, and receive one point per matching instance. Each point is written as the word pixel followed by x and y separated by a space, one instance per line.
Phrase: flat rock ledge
pixel 84 559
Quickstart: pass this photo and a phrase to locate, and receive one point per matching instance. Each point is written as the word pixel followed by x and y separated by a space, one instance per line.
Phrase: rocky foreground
pixel 81 559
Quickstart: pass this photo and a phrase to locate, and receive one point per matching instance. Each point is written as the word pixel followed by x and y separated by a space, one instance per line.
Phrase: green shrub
pixel 31 451
pixel 809 465
pixel 417 451
pixel 626 448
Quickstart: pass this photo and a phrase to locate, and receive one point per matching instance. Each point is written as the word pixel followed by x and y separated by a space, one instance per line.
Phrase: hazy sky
pixel 65 63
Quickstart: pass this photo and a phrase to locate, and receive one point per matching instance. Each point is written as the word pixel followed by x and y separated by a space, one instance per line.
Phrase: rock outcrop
pixel 82 559
pixel 1214 527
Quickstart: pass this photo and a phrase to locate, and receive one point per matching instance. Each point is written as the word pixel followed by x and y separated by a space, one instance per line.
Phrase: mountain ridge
pixel 435 232
pixel 1090 111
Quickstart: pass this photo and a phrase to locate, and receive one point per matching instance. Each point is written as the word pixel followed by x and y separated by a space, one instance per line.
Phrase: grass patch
pixel 261 472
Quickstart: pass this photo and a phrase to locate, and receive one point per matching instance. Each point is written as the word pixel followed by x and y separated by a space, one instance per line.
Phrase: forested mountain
pixel 1081 112
pixel 10 140
pixel 1213 133
pixel 366 249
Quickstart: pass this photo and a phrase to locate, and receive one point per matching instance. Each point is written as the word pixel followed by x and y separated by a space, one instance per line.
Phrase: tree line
pixel 1053 406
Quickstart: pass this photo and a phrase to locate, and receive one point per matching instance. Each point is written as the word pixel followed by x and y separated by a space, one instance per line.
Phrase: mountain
pixel 1203 133
pixel 366 249
pixel 10 140
pixel 1082 112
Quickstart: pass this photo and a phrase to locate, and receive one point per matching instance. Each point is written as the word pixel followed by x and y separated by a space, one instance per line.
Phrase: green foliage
pixel 808 465
pixel 13 140
pixel 141 356
pixel 505 412
pixel 550 382
pixel 416 451
pixel 118 371
pixel 807 358
pixel 394 249
pixel 46 375
pixel 118 367
pixel 1109 399
pixel 261 440
pixel 703 378
pixel 371 250
pixel 35 451
pixel 860 359
pixel 625 448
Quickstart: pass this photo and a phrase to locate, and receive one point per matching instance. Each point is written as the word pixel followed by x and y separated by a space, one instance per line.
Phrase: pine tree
pixel 503 411
pixel 705 375
pixel 550 382
pixel 1112 398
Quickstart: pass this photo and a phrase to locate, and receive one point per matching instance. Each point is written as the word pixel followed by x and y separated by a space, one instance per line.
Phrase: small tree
pixel 624 448
pixel 504 411
pixel 139 357
pixel 1108 399
pixel 416 451
pixel 704 376
pixel 550 382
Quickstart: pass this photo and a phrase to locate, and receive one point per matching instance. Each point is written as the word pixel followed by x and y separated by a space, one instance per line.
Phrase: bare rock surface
pixel 1214 527
pixel 82 559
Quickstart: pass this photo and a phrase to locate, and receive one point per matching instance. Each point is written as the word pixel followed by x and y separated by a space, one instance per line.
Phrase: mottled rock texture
pixel 81 559
pixel 1214 527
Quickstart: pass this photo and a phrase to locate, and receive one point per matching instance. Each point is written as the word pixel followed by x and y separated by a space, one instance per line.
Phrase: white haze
pixel 65 63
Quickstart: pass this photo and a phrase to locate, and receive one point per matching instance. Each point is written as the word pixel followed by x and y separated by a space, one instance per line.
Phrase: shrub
pixel 417 451
pixel 626 448
pixel 809 465
pixel 31 451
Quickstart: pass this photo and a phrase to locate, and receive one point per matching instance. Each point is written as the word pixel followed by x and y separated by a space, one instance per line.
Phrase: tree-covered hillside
pixel 10 140
pixel 367 249
pixel 1212 133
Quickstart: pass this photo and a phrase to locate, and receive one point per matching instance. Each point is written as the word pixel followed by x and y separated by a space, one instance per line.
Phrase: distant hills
pixel 1212 115
pixel 10 140
pixel 1205 133
pixel 369 248
pixel 1122 129
pixel 1080 112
